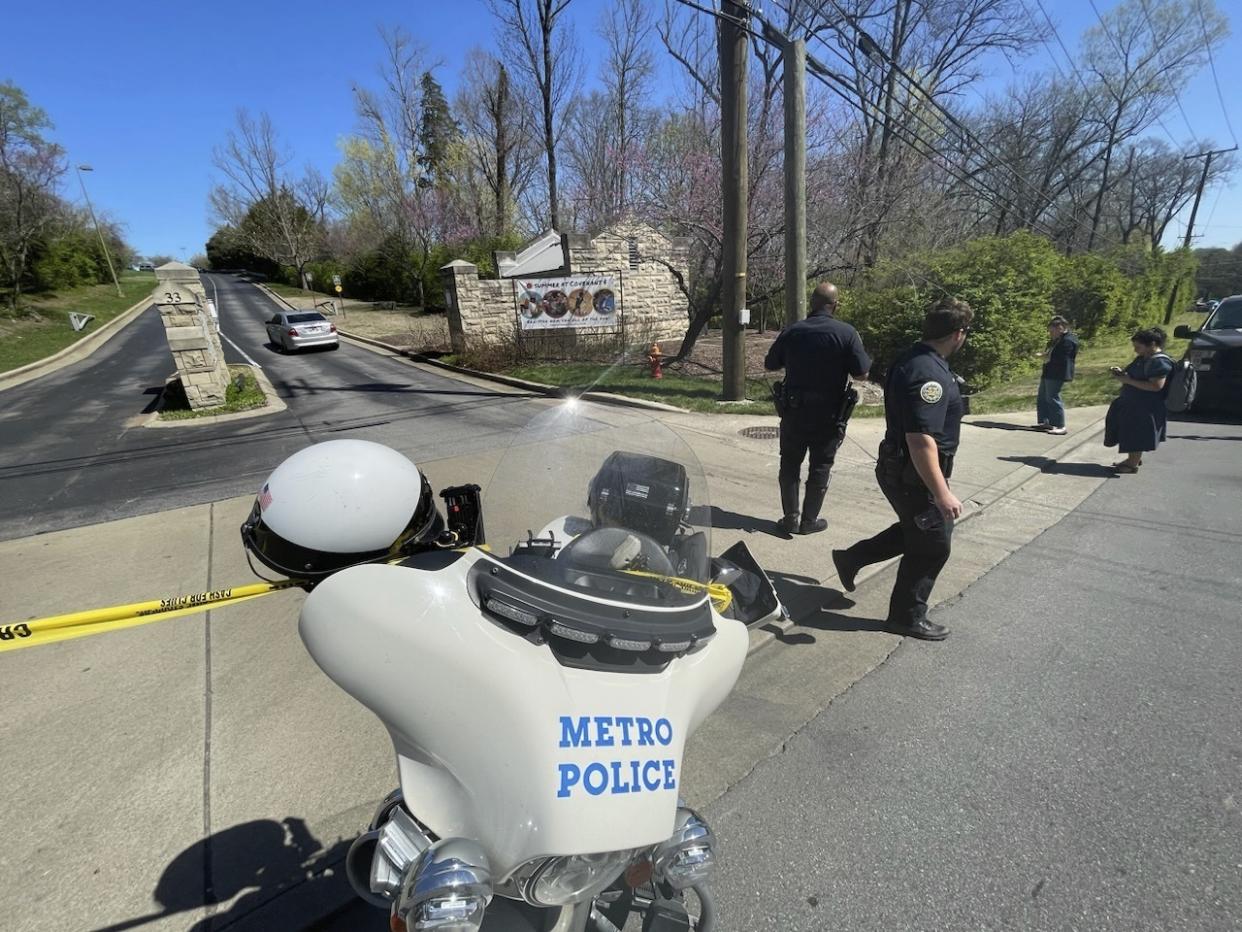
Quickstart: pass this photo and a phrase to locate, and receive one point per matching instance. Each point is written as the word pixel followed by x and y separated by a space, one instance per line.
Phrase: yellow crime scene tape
pixel 38 631
pixel 720 594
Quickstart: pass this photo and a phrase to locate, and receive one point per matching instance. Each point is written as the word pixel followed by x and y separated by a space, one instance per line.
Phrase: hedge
pixel 1014 284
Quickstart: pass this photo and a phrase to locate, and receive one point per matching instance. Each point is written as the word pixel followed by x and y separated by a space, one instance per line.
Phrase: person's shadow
pixel 803 596
pixel 826 620
pixel 261 860
pixel 1046 464
pixel 733 521
pixel 1002 425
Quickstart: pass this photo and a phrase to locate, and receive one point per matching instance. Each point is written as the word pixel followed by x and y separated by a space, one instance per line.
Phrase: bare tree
pixel 276 215
pixel 493 114
pixel 941 45
pixel 1141 54
pixel 549 60
pixel 30 167
pixel 627 72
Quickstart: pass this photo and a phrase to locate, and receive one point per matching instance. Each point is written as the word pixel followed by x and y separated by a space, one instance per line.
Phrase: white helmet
pixel 336 504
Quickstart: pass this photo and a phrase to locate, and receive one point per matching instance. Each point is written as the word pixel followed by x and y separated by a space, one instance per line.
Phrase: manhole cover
pixel 760 433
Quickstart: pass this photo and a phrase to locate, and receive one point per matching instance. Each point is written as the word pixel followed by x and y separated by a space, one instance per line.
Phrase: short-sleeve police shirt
pixel 921 397
pixel 818 354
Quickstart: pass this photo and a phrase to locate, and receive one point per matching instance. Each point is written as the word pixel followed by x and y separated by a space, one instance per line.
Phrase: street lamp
pixel 95 220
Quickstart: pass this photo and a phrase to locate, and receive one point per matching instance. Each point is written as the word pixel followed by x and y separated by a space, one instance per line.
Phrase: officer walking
pixel 923 409
pixel 819 355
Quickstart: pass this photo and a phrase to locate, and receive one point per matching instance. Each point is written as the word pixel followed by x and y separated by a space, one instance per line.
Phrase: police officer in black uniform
pixel 819 355
pixel 923 408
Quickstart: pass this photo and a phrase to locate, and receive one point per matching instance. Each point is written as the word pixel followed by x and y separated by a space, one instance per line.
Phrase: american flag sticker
pixel 265 498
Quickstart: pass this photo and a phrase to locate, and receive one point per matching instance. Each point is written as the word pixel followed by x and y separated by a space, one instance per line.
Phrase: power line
pixel 1121 52
pixel 869 46
pixel 1177 98
pixel 830 79
pixel 904 134
pixel 1068 57
pixel 1207 45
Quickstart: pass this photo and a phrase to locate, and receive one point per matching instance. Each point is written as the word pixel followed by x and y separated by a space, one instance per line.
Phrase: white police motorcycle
pixel 539 699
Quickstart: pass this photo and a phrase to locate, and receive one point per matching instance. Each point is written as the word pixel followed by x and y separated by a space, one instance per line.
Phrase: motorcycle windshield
pixel 614 496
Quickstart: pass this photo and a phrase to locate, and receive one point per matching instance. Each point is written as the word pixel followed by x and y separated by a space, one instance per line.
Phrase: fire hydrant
pixel 654 356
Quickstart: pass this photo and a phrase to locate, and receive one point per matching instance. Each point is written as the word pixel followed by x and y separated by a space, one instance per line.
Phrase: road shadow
pixel 1052 467
pixel 826 620
pixel 156 392
pixel 1001 425
pixel 261 860
pixel 803 596
pixel 1206 417
pixel 735 521
pixel 1232 438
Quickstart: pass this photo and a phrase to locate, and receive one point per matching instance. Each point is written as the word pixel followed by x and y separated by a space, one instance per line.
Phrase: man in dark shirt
pixel 923 409
pixel 819 355
pixel 1058 369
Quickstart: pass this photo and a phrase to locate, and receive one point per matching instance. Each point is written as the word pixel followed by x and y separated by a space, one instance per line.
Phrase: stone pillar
pixel 461 294
pixel 193 334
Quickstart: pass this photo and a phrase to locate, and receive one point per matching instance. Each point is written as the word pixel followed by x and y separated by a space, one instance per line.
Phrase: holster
pixel 779 398
pixel 894 466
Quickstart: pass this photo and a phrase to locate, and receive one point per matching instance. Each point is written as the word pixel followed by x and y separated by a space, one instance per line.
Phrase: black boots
pixel 805 520
pixel 789 507
pixel 811 522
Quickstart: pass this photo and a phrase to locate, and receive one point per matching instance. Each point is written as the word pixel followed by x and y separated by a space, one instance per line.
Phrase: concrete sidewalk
pixel 203 767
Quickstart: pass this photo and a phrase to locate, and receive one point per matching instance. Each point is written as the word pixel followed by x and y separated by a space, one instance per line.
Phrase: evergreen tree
pixel 437 130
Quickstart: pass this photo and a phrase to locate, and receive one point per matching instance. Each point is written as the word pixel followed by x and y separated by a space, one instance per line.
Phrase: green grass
pixel 290 291
pixel 1092 385
pixel 636 382
pixel 244 394
pixel 42 326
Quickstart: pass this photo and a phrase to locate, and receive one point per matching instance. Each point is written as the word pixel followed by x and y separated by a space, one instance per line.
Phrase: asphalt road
pixel 73 450
pixel 1068 760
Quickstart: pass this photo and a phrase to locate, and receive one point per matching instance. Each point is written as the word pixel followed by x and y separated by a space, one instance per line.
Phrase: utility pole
pixel 103 245
pixel 794 54
pixel 1194 212
pixel 735 183
pixel 1199 191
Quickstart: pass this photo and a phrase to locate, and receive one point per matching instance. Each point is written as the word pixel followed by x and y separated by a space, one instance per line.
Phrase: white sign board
pixel 585 301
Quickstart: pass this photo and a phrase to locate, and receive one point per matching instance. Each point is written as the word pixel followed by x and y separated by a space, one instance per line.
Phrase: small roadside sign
pixel 338 289
pixel 336 279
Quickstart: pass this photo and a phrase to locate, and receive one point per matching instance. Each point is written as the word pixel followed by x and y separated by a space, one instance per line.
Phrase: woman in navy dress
pixel 1138 414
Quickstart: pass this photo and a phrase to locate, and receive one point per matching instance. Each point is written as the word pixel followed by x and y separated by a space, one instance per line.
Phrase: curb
pixel 74 352
pixel 274 406
pixel 768 632
pixel 552 391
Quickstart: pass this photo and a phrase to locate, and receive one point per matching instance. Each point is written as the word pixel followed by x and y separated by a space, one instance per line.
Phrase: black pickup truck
pixel 1215 353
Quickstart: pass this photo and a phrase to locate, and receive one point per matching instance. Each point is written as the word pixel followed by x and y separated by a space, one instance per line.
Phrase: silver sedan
pixel 292 330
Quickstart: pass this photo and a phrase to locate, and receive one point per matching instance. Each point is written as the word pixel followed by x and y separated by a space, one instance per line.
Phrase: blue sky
pixel 143 91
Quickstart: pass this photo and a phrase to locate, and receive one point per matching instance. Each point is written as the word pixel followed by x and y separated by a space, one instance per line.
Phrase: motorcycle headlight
pixel 689 854
pixel 447 889
pixel 565 880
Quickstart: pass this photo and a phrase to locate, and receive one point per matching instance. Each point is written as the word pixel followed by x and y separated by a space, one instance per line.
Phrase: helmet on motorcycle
pixel 336 504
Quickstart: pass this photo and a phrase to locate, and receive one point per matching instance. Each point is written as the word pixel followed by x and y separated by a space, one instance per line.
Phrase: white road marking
pixel 215 296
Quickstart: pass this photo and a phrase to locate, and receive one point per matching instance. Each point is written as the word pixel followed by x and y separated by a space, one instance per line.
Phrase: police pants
pixel 923 552
pixel 812 431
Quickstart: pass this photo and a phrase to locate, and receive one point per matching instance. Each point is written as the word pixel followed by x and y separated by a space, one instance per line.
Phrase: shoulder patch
pixel 931 392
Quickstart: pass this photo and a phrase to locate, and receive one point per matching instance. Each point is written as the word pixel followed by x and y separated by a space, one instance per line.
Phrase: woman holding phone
pixel 1136 419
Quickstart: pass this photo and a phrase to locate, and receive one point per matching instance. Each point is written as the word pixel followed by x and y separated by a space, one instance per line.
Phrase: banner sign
pixel 586 301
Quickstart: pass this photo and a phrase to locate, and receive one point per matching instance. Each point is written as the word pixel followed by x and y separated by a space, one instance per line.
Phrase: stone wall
pixel 655 308
pixel 482 316
pixel 193 334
